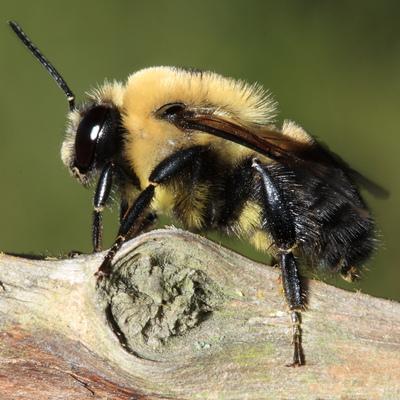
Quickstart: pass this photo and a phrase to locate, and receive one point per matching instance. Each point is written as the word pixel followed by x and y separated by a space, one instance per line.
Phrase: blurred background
pixel 333 67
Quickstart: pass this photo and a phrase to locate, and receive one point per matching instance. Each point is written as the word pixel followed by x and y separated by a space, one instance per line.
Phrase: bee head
pixel 94 134
pixel 92 139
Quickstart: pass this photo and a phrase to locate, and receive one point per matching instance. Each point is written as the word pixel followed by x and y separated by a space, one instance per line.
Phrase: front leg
pixel 101 195
pixel 136 214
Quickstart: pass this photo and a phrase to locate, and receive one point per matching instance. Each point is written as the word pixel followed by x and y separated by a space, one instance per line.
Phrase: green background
pixel 333 67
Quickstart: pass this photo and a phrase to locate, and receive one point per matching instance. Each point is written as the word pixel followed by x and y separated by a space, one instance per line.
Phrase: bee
pixel 202 149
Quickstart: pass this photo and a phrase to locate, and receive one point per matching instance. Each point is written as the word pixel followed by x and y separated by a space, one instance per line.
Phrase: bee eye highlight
pixel 91 127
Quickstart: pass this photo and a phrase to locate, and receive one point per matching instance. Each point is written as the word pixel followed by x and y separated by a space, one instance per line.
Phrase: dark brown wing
pixel 307 157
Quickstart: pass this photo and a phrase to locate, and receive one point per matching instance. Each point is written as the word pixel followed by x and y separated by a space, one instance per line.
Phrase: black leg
pixel 293 295
pixel 136 214
pixel 281 226
pixel 148 223
pixel 100 198
pixel 132 220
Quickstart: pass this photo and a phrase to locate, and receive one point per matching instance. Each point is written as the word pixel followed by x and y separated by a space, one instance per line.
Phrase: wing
pixel 301 153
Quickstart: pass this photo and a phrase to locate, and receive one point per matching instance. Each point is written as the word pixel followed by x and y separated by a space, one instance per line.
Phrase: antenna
pixel 46 64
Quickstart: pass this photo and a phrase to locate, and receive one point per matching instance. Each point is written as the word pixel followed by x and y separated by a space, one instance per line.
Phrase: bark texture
pixel 181 317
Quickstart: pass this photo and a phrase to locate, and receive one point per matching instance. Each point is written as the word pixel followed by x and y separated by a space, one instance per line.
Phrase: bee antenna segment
pixel 46 64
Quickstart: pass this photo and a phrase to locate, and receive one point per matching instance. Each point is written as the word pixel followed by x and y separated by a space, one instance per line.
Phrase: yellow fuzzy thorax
pixel 248 104
pixel 149 89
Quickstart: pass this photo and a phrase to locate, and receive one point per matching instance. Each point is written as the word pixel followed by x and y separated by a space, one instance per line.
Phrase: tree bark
pixel 181 317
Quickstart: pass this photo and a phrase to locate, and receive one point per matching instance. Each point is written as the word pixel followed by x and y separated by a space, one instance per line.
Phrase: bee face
pixel 201 148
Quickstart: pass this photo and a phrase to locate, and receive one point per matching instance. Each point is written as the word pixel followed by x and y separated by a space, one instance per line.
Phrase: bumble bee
pixel 202 149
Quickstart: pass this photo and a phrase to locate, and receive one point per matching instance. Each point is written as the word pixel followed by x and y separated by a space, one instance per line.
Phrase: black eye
pixel 89 130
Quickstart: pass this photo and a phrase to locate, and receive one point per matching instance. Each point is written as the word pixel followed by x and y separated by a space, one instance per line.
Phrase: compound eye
pixel 87 135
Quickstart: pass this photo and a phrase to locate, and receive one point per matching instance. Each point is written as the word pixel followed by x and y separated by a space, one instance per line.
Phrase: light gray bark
pixel 181 317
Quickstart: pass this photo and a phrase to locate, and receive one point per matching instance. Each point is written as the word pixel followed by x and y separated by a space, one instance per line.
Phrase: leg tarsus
pixel 296 339
pixel 293 294
pixel 105 266
pixel 97 230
